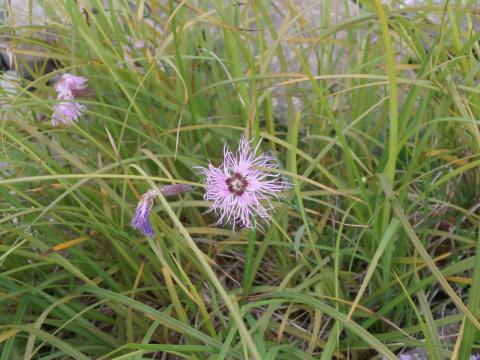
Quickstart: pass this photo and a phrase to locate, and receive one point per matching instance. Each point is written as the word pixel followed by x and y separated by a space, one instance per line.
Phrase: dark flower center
pixel 236 184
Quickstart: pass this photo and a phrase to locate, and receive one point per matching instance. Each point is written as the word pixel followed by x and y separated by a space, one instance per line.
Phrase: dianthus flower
pixel 141 219
pixel 67 88
pixel 69 85
pixel 67 112
pixel 241 187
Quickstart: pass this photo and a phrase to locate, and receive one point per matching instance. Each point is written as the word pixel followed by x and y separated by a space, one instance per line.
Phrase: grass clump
pixel 370 109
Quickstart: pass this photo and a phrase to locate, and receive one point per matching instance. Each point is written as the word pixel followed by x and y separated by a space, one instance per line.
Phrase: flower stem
pixel 232 307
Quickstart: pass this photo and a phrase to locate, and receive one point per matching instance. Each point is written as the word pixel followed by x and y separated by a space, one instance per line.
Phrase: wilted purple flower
pixel 405 357
pixel 69 85
pixel 141 219
pixel 239 188
pixel 67 112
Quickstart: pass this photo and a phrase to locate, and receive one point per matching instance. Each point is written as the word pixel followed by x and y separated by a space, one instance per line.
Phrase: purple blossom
pixel 67 112
pixel 239 188
pixel 141 219
pixel 405 357
pixel 69 85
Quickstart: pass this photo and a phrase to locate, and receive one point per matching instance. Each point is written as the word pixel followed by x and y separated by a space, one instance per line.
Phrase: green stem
pixel 233 308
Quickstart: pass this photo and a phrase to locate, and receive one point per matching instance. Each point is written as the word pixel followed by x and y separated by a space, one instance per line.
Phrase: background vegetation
pixel 372 109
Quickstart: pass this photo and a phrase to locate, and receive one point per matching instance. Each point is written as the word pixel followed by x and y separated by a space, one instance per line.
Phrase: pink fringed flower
pixel 69 85
pixel 67 112
pixel 67 88
pixel 240 189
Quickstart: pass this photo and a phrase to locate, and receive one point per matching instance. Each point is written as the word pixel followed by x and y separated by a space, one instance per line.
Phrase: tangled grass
pixel 371 110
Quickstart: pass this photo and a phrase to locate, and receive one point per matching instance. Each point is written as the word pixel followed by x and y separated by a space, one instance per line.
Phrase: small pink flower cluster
pixel 67 110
